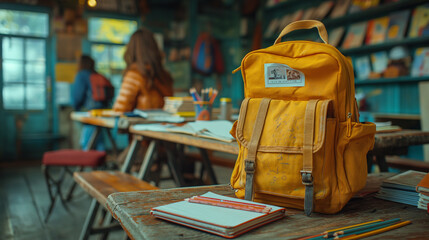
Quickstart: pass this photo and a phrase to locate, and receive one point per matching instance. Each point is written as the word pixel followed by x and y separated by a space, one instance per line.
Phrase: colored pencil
pixel 368 226
pixel 376 231
pixel 329 233
pixel 229 204
pixel 212 98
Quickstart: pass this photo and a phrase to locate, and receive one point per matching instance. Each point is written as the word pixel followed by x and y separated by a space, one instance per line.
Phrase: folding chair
pixel 65 159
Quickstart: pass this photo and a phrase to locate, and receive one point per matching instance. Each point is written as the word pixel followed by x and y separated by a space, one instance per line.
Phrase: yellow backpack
pixel 301 142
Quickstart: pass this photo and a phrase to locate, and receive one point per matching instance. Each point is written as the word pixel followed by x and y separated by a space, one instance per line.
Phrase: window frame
pixel 46 82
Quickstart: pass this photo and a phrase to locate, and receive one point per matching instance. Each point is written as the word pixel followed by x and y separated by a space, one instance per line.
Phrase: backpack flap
pixel 291 155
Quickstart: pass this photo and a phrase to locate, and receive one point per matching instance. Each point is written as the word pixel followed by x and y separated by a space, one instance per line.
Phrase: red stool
pixel 65 159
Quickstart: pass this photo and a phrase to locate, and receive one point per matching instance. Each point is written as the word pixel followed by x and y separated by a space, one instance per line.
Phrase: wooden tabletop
pixel 210 144
pixel 402 138
pixel 123 122
pixel 398 139
pixel 132 210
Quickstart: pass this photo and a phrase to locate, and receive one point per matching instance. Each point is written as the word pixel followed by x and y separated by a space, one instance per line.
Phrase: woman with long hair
pixel 145 82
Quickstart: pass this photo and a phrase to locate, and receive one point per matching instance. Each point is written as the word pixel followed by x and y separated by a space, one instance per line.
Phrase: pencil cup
pixel 203 110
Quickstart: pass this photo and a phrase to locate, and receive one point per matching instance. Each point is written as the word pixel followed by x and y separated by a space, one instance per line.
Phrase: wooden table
pixel 132 210
pixel 385 144
pixel 394 143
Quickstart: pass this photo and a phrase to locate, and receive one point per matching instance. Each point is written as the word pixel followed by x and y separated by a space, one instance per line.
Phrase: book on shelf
pixel 220 215
pixel 401 188
pixel 362 67
pixel 335 36
pixel 308 13
pixel 398 22
pixel 272 27
pixel 376 31
pixel 360 5
pixel 419 22
pixel 420 64
pixel 355 35
pixel 379 61
pixel 323 10
pixel 340 8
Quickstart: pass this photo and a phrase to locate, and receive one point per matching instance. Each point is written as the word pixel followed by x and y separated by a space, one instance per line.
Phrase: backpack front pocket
pixel 280 152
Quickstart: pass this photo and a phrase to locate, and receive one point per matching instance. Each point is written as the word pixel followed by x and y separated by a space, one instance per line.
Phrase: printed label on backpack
pixel 281 75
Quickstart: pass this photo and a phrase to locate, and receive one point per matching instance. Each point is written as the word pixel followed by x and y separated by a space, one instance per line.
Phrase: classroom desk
pixel 394 143
pixel 105 123
pixel 132 210
pixel 386 143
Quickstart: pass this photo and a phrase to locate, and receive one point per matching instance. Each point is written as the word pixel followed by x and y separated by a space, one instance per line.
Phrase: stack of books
pixel 402 187
pixel 423 190
pixel 182 106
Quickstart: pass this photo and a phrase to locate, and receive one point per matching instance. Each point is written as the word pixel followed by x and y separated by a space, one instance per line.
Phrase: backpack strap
pixel 307 164
pixel 253 147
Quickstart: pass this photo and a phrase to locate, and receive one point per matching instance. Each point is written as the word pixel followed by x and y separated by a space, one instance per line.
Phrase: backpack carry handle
pixel 305 24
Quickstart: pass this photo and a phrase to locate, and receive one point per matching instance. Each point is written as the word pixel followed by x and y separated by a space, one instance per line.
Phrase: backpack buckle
pixel 306 177
pixel 249 166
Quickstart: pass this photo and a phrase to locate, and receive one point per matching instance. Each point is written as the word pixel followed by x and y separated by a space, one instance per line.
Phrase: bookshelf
pixel 405 99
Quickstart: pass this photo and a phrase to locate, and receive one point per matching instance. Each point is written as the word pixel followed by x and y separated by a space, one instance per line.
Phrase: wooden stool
pixel 65 159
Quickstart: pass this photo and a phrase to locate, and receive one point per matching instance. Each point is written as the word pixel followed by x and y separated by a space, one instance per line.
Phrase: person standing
pixel 83 99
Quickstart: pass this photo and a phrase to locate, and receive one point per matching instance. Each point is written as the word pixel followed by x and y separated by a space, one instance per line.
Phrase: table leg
pixel 112 141
pixel 91 144
pixel 369 161
pixel 86 230
pixel 132 151
pixel 172 162
pixel 148 160
pixel 381 161
pixel 208 165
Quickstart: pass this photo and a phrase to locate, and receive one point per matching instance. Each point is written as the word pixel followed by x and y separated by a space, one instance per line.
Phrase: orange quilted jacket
pixel 135 94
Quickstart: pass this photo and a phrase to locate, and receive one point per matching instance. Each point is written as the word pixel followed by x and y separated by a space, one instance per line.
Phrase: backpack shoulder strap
pixel 307 164
pixel 253 147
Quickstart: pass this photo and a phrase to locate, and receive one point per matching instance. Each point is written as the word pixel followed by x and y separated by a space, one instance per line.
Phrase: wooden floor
pixel 24 203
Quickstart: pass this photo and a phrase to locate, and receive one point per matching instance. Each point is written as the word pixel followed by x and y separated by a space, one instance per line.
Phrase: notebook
pixel 401 188
pixel 222 221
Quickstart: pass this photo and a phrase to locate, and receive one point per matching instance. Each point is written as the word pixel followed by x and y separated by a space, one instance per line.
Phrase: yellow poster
pixel 65 72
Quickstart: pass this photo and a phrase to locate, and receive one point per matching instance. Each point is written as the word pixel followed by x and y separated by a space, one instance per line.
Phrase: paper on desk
pixel 216 129
pixel 157 127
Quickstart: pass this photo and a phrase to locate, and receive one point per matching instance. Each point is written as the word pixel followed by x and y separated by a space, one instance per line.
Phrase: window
pixel 23 44
pixel 108 38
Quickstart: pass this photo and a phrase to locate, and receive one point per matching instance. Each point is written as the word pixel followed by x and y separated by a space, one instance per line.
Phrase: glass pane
pixel 35 96
pixel 24 23
pixel 13 71
pixel 100 54
pixel 13 48
pixel 35 49
pixel 117 57
pixel 110 30
pixel 35 71
pixel 13 96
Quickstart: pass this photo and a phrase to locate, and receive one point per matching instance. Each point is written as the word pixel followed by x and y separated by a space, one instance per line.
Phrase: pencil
pixel 377 231
pixel 368 226
pixel 212 98
pixel 329 233
pixel 229 204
